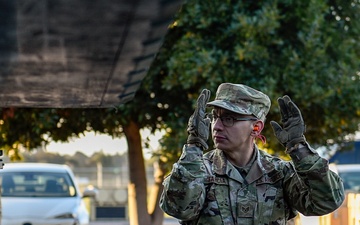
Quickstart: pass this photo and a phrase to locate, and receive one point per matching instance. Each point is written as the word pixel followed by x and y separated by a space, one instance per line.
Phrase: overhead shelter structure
pixel 80 53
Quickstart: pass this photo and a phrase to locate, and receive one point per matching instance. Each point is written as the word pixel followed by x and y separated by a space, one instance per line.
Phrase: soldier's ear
pixel 258 126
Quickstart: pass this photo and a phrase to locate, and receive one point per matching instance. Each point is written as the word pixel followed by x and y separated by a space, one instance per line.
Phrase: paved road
pixel 167 221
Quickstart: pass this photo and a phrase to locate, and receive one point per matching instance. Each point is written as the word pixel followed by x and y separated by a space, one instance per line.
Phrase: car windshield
pixel 351 180
pixel 36 184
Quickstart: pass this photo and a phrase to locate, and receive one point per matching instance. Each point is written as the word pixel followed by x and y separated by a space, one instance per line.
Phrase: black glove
pixel 293 128
pixel 198 126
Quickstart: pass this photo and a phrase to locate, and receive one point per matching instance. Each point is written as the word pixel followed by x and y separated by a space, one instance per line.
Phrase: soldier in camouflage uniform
pixel 236 183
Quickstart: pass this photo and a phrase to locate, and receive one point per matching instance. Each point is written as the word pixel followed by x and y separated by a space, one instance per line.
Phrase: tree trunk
pixel 137 188
pixel 157 215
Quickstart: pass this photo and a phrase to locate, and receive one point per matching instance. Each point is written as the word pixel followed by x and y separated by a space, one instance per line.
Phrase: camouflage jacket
pixel 208 190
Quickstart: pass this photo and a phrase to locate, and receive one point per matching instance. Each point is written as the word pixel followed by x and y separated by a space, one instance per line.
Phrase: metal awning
pixel 79 53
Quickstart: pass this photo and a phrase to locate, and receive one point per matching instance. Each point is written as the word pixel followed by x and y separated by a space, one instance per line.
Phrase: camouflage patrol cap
pixel 242 99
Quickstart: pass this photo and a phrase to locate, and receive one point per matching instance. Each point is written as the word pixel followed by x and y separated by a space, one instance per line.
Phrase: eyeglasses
pixel 228 121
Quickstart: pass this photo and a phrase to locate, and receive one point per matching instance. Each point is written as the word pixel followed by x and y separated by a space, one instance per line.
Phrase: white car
pixel 41 193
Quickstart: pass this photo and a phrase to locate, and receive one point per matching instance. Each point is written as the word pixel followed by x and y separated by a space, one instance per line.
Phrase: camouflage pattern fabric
pixel 242 99
pixel 208 190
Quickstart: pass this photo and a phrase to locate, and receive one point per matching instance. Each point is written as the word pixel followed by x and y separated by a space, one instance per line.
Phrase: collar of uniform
pixel 266 163
pixel 222 166
pixel 262 170
pixel 247 167
pixel 219 162
pixel 256 171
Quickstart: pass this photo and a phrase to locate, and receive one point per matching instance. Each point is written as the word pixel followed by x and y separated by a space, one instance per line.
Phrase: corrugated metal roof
pixel 78 54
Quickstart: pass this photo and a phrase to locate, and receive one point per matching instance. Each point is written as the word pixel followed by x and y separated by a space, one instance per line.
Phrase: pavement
pixel 167 221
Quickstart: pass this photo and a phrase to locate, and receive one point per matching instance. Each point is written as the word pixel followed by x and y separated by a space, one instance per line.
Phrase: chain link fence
pixel 107 177
pixel 112 185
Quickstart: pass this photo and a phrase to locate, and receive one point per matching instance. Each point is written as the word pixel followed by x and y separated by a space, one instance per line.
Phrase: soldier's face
pixel 231 131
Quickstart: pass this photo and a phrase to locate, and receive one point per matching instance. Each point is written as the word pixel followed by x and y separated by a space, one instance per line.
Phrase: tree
pixel 30 128
pixel 306 49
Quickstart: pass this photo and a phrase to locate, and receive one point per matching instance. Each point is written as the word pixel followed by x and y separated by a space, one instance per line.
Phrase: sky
pixel 91 143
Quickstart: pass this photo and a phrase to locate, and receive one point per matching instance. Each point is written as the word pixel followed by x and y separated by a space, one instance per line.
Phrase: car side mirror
pixel 90 192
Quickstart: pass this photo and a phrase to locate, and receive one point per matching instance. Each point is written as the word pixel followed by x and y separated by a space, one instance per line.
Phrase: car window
pixel 351 180
pixel 36 184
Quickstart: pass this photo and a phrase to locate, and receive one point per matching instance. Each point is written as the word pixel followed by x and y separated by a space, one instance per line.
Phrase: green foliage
pixel 308 50
pixel 30 128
